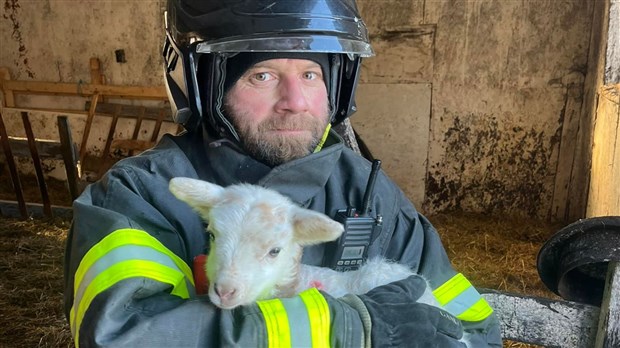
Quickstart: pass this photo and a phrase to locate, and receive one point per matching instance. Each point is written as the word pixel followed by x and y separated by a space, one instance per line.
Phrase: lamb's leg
pixel 375 272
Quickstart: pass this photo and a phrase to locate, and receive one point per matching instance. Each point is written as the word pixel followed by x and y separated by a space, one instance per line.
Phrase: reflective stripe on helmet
pixel 124 254
pixel 309 325
pixel 462 300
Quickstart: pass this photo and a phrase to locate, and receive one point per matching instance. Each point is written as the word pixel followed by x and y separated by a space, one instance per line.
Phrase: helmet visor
pixel 289 43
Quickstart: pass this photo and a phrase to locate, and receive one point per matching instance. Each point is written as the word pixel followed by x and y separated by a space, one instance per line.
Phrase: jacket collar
pixel 299 179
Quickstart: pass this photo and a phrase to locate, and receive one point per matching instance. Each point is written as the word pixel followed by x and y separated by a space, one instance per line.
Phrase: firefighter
pixel 257 86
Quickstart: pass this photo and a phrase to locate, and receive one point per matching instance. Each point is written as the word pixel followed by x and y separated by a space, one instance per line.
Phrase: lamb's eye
pixel 274 252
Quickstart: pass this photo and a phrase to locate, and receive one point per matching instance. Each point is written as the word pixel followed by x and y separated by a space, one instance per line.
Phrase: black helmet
pixel 201 35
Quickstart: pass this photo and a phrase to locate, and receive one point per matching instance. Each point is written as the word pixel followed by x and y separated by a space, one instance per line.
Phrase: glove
pixel 397 320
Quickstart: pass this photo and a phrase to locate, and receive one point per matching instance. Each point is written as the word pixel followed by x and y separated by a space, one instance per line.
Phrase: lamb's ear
pixel 312 227
pixel 199 194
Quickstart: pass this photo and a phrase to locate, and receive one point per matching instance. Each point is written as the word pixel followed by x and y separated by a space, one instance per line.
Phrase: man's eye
pixel 261 76
pixel 310 75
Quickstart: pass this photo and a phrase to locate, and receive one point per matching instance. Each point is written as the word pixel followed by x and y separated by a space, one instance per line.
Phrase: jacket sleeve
pixel 128 280
pixel 416 242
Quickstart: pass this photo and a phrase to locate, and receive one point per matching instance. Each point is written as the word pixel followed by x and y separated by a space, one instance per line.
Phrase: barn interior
pixel 498 119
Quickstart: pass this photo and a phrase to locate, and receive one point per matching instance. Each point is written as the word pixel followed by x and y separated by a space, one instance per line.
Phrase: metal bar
pixel 69 156
pixel 17 186
pixel 36 160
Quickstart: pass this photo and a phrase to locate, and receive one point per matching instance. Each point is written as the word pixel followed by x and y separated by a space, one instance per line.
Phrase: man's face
pixel 280 109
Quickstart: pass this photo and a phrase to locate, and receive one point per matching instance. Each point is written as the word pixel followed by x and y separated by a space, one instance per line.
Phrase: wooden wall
pixel 604 197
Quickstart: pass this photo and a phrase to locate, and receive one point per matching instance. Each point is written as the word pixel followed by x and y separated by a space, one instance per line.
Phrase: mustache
pixel 290 122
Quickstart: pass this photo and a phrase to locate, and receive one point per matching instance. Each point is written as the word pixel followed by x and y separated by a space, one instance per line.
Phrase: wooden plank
pixel 47 110
pixel 69 156
pixel 17 186
pixel 608 335
pixel 36 160
pixel 132 111
pixel 132 145
pixel 87 126
pixel 47 148
pixel 564 184
pixel 81 89
pixel 543 321
pixel 11 209
pixel 604 190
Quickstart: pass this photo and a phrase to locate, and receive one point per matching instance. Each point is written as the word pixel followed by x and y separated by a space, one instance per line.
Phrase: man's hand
pixel 397 320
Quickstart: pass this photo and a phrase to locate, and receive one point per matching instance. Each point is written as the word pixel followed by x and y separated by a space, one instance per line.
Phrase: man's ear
pixel 199 194
pixel 312 227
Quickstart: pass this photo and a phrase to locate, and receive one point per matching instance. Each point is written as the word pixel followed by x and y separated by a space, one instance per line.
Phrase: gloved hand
pixel 397 320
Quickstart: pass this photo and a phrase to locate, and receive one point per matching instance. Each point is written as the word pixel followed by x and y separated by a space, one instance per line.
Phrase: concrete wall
pixel 507 81
pixel 471 105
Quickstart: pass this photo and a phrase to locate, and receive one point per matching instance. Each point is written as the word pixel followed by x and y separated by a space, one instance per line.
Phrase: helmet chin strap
pixel 323 138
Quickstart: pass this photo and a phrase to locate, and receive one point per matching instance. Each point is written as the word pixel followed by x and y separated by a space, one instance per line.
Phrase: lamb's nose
pixel 225 293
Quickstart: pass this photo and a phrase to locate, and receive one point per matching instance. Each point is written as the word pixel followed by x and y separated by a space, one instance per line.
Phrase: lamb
pixel 257 240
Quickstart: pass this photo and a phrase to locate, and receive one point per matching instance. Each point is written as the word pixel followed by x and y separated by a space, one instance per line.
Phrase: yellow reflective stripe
pixel 479 311
pixel 124 270
pixel 322 142
pixel 276 323
pixel 126 237
pixel 451 289
pixel 318 312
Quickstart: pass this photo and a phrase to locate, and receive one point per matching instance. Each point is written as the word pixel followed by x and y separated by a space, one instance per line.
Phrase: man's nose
pixel 292 96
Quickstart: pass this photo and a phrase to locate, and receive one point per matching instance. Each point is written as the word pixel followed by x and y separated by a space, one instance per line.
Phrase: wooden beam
pixel 132 111
pixel 47 148
pixel 11 209
pixel 82 89
pixel 546 322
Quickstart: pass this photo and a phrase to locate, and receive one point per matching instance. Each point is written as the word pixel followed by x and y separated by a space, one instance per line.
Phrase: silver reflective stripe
pixel 463 301
pixel 299 321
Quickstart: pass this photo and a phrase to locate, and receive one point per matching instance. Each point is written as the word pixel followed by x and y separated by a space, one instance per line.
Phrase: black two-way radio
pixel 350 251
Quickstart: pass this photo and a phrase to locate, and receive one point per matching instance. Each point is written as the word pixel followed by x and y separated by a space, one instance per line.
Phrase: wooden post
pixel 36 160
pixel 9 99
pixel 608 335
pixel 17 186
pixel 89 123
pixel 604 194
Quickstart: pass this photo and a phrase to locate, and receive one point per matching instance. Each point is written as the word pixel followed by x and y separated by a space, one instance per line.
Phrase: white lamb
pixel 258 236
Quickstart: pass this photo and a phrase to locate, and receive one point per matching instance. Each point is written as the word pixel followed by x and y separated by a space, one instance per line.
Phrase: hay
pixel 493 252
pixel 31 258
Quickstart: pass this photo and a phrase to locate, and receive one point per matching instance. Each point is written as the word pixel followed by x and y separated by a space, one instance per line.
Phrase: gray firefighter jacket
pixel 128 263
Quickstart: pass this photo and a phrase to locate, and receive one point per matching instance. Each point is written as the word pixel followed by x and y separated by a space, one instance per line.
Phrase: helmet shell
pixel 221 28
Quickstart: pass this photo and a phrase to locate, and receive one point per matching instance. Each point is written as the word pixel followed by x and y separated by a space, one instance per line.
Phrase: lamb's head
pixel 257 238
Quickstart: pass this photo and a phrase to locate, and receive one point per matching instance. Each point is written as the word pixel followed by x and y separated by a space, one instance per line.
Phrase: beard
pixel 265 142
